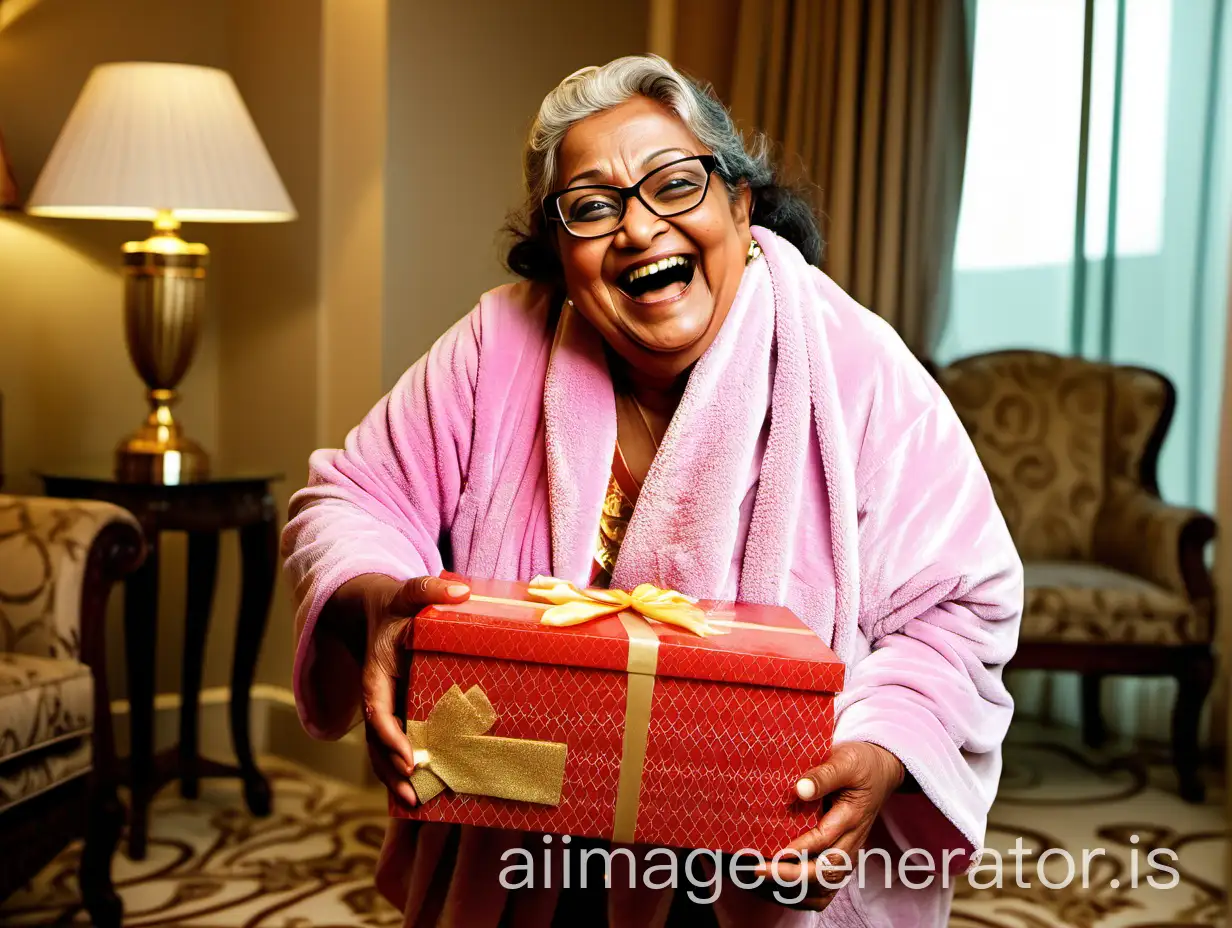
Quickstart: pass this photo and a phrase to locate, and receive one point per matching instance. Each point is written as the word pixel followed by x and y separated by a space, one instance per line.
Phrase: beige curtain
pixel 8 186
pixel 869 101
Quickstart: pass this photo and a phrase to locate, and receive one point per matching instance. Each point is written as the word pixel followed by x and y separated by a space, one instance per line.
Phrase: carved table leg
pixel 202 571
pixel 140 627
pixel 259 549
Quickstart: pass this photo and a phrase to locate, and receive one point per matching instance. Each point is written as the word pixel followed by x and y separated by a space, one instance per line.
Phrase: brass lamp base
pixel 159 452
pixel 164 296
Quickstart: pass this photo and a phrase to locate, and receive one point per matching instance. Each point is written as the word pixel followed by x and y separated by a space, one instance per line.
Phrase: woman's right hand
pixel 389 606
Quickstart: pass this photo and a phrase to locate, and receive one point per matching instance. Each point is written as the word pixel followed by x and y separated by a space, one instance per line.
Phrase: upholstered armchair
pixel 58 560
pixel 1116 580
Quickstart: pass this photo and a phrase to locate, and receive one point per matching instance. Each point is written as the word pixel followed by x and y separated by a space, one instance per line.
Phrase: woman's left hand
pixel 861 776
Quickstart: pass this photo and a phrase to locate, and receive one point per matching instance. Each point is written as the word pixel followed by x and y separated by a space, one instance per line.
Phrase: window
pixel 1014 276
pixel 1021 175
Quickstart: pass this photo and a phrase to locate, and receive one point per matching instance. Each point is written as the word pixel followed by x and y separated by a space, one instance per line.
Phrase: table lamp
pixel 168 143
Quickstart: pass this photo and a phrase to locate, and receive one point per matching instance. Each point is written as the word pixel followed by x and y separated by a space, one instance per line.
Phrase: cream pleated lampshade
pixel 145 137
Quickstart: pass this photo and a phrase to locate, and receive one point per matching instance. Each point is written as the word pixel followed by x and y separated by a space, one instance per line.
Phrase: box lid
pixel 763 645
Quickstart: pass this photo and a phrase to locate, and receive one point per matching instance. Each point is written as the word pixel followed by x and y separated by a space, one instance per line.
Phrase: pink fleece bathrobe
pixel 812 462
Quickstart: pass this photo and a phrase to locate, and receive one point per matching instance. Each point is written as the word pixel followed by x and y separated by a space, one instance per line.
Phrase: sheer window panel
pixel 1013 257
pixel 1011 267
pixel 1166 310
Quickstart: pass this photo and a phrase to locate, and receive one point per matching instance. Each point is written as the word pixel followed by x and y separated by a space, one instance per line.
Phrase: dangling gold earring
pixel 754 251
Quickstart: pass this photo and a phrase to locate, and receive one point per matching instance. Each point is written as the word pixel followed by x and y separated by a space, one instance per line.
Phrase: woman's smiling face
pixel 659 326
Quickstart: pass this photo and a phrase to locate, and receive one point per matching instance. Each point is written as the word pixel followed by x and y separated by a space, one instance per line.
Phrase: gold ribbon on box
pixel 567 605
pixel 456 751
pixel 452 750
pixel 572 606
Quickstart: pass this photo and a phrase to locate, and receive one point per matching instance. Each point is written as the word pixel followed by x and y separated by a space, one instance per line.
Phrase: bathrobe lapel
pixel 579 409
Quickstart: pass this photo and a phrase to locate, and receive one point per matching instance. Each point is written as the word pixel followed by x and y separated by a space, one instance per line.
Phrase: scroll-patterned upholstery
pixel 46 693
pixel 46 716
pixel 1070 448
pixel 1087 602
pixel 43 548
pixel 1038 425
pixel 1139 401
pixel 42 701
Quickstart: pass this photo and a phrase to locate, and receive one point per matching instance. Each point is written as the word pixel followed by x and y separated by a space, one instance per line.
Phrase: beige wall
pixel 69 390
pixel 397 129
pixel 269 293
pixel 354 131
pixel 465 80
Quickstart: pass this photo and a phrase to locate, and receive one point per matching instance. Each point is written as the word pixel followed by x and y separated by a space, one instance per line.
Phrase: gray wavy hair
pixel 593 90
pixel 589 91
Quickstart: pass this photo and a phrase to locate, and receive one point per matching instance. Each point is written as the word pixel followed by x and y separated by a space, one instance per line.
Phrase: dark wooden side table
pixel 203 510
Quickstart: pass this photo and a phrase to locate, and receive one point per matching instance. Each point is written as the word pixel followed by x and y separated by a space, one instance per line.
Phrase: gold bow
pixel 574 606
pixel 452 750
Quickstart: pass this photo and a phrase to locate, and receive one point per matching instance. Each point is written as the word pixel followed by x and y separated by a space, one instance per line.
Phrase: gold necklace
pixel 641 411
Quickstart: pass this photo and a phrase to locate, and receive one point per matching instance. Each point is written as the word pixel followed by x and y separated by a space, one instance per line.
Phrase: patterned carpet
pixel 1056 795
pixel 311 862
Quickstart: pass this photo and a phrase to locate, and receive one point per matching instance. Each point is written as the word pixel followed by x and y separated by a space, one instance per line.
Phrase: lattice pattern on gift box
pixel 583 708
pixel 722 762
pixel 509 631
pixel 600 645
pixel 721 758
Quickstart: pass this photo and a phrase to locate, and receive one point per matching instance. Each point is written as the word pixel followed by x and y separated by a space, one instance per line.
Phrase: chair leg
pixel 1093 732
pixel 1194 682
pixel 102 836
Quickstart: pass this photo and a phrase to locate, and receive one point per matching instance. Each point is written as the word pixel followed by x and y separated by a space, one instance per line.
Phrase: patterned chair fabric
pixel 1070 448
pixel 43 548
pixel 42 701
pixel 46 693
pixel 1038 425
pixel 1068 601
pixel 46 717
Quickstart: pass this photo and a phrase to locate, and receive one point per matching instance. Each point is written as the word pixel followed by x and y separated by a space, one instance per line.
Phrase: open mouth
pixel 661 280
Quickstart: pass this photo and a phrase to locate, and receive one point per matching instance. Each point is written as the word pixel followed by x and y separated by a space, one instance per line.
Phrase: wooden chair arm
pixel 116 551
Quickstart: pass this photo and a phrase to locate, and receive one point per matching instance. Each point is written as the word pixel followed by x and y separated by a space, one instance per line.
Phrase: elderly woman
pixel 676 394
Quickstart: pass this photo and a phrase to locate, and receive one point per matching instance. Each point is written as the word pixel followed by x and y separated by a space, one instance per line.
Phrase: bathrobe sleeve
pixel 940 604
pixel 378 505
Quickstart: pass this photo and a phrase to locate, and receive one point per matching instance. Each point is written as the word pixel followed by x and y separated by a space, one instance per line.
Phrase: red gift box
pixel 668 738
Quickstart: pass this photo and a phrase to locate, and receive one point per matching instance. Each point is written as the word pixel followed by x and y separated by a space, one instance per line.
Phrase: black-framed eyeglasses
pixel 595 210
